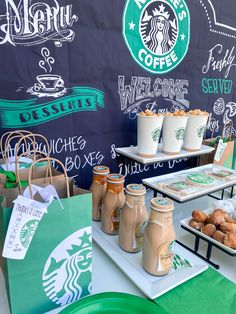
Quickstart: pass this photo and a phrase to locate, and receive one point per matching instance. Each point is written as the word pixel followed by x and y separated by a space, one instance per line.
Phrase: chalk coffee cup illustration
pixel 50 82
pixel 173 134
pixel 149 130
pixel 194 132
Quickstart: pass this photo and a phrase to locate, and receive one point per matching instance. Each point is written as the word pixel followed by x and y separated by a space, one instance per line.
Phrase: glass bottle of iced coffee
pixel 159 237
pixel 113 202
pixel 98 189
pixel 133 218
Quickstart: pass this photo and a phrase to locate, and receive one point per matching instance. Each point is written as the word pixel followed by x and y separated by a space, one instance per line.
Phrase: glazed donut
pixel 217 217
pixel 228 227
pixel 196 225
pixel 199 216
pixel 219 236
pixel 209 229
pixel 230 240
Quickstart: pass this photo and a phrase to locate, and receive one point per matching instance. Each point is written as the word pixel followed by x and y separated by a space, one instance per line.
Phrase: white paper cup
pixel 194 133
pixel 149 130
pixel 173 134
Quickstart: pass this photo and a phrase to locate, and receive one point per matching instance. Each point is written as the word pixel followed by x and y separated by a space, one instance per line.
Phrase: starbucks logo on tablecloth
pixel 201 131
pixel 157 33
pixel 179 133
pixel 27 232
pixel 156 134
pixel 67 272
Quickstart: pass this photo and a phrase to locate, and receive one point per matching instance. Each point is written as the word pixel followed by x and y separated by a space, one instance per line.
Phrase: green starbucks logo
pixel 201 131
pixel 200 178
pixel 157 33
pixel 172 246
pixel 156 135
pixel 179 134
pixel 67 273
pixel 27 232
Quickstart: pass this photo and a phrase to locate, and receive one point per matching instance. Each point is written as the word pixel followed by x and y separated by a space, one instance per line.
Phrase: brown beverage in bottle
pixel 159 237
pixel 113 202
pixel 98 189
pixel 132 219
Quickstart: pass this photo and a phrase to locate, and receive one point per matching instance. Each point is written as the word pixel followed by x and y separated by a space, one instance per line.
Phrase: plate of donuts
pixel 217 224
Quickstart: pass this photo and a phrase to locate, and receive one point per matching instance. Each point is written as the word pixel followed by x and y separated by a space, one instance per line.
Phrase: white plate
pixel 131 152
pixel 131 265
pixel 185 223
pixel 218 185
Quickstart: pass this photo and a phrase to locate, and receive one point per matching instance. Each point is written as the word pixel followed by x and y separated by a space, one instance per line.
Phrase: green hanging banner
pixel 20 114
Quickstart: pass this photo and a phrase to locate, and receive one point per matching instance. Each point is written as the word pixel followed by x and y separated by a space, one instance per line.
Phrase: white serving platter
pixel 131 152
pixel 131 265
pixel 185 223
pixel 219 184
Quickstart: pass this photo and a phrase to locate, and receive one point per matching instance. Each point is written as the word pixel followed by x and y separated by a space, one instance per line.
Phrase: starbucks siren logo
pixel 27 232
pixel 157 33
pixel 156 134
pixel 67 272
pixel 201 131
pixel 179 133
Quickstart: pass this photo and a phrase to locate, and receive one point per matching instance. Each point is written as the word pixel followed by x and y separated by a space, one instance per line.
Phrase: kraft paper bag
pixel 57 267
pixel 228 156
pixel 40 177
pixel 24 159
pixel 226 159
pixel 207 159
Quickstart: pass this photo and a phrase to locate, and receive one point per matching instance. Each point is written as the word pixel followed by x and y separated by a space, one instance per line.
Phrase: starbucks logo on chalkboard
pixel 67 272
pixel 157 33
pixel 179 133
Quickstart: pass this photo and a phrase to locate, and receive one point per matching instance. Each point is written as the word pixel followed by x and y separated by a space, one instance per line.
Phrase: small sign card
pixel 25 218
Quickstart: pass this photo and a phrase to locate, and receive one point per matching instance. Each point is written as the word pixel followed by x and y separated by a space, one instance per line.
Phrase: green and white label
pixel 27 232
pixel 156 135
pixel 25 218
pixel 179 133
pixel 157 33
pixel 201 131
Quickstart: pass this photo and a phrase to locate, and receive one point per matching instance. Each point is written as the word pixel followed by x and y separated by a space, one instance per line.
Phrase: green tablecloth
pixel 208 293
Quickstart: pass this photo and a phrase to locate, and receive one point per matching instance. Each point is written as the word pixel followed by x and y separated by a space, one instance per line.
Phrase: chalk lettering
pixel 224 62
pixel 28 23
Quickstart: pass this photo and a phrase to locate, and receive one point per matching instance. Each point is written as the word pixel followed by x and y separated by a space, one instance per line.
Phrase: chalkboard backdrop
pixel 79 71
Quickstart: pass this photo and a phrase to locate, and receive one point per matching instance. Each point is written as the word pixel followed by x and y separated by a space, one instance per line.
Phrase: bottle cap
pixel 162 204
pixel 101 170
pixel 135 189
pixel 115 178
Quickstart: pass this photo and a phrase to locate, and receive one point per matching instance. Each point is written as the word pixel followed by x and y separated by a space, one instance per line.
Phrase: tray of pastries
pixel 217 224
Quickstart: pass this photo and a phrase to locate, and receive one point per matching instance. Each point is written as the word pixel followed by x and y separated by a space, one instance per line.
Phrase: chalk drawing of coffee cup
pixel 50 82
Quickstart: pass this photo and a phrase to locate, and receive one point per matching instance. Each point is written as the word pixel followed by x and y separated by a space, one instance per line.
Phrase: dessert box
pixel 222 174
pixel 185 266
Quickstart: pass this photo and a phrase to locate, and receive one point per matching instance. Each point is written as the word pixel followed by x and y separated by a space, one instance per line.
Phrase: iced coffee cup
pixel 174 126
pixel 149 130
pixel 195 130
